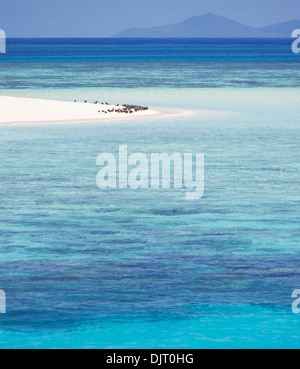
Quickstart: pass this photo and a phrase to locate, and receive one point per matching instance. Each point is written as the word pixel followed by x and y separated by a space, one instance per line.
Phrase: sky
pixel 102 18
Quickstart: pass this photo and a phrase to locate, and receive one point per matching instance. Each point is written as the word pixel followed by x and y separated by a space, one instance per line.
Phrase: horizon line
pixel 145 38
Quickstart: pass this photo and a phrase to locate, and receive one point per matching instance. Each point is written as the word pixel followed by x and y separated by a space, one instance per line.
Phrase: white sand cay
pixel 25 111
pixel 15 110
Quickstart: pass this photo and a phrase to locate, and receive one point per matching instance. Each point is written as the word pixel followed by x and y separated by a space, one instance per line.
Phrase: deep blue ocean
pixel 149 50
pixel 85 268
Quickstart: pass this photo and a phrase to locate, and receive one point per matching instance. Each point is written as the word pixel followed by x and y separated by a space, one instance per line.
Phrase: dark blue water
pixel 149 50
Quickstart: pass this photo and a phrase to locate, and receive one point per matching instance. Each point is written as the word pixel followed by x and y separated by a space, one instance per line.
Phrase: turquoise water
pixel 172 75
pixel 85 268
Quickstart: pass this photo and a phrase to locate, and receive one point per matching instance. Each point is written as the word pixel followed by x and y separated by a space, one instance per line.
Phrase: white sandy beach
pixel 27 111
pixel 14 110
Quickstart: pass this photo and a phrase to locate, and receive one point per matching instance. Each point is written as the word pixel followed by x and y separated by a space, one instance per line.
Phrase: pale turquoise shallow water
pixel 87 268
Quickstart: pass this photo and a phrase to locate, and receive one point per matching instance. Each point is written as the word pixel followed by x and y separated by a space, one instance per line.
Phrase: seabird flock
pixel 126 108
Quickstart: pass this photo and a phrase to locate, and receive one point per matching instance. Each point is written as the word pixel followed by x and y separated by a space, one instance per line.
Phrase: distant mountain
pixel 210 26
pixel 283 29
